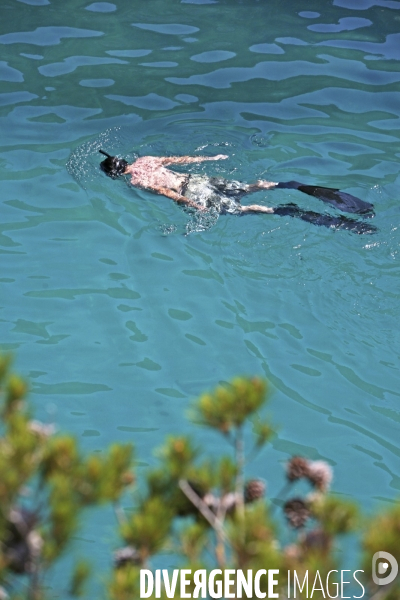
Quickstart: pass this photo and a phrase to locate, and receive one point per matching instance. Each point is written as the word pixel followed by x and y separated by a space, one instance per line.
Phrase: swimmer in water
pixel 203 193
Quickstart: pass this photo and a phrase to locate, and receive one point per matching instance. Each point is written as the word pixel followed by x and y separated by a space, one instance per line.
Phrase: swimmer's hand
pixel 220 157
pixel 178 198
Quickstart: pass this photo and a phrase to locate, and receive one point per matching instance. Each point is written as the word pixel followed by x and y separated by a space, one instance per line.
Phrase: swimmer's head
pixel 112 166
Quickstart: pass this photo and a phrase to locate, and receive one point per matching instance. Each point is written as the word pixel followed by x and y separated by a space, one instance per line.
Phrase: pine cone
pixel 125 556
pixel 296 468
pixel 19 533
pixel 319 474
pixel 317 541
pixel 254 490
pixel 297 512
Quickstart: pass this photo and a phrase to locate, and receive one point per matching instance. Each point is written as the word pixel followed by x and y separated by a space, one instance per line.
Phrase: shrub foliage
pixel 201 508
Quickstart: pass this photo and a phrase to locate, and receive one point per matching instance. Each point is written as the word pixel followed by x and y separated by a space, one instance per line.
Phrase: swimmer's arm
pixel 185 160
pixel 177 197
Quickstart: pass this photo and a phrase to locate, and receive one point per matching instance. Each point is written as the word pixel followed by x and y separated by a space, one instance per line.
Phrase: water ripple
pixel 144 316
pixel 47 36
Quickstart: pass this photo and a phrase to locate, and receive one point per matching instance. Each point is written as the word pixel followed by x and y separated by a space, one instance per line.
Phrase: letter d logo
pixel 383 567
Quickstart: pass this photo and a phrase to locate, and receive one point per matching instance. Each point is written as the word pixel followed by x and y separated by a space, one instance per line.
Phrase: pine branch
pixel 202 507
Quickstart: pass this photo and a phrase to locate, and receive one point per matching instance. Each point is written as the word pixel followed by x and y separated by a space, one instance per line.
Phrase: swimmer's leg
pixel 256 208
pixel 260 185
pixel 238 189
pixel 323 220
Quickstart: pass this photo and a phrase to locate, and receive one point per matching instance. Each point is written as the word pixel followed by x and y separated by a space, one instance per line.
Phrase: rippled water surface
pixel 121 306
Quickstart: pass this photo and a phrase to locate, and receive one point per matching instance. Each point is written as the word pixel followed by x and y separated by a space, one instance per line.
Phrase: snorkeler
pixel 204 193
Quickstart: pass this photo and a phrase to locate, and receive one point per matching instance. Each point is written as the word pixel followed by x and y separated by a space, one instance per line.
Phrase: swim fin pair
pixel 341 200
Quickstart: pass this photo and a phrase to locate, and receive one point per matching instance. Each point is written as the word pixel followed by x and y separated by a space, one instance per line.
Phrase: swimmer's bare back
pixel 151 173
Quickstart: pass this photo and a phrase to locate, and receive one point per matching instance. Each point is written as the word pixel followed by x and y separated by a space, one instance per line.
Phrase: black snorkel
pixel 113 166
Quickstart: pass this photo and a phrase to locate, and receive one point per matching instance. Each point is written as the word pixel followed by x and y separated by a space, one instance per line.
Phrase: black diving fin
pixel 341 200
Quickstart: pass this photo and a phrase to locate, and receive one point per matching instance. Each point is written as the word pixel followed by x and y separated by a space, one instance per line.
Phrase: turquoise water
pixel 121 307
